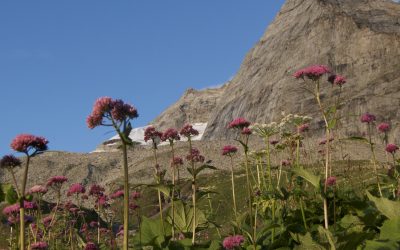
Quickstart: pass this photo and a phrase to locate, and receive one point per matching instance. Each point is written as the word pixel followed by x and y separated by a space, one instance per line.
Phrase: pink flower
pixel 337 80
pixel 133 206
pixel 25 142
pixel 171 135
pixel 106 107
pixel 195 156
pixel 391 148
pixel 383 127
pixel 9 161
pixel 56 181
pixel 239 123
pixel 47 220
pixel 303 128
pixel 188 131
pixel 39 245
pixel 151 133
pixel 331 181
pixel 176 161
pixel 30 205
pixel 94 224
pixel 368 118
pixel 286 163
pixel 96 190
pixel 76 188
pixel 231 242
pixel 38 189
pixel 117 194
pixel 91 246
pixel 312 72
pixel 135 195
pixel 246 131
pixel 229 150
pixel 12 209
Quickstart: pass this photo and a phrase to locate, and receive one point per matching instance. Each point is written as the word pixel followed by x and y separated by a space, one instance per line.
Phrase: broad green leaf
pixel 381 245
pixel 390 229
pixel 11 195
pixel 150 232
pixel 328 235
pixel 184 217
pixel 308 176
pixel 387 207
pixel 201 168
pixel 307 243
pixel 165 189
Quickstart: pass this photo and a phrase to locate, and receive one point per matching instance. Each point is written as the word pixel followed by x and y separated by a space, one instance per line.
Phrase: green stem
pixel 193 193
pixel 173 189
pixel 21 204
pixel 126 196
pixel 233 190
pixel 159 181
pixel 371 144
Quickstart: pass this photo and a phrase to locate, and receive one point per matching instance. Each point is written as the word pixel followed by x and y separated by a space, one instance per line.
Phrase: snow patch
pixel 137 135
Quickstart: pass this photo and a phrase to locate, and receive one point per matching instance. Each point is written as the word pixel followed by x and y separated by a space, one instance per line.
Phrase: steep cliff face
pixel 356 38
pixel 195 106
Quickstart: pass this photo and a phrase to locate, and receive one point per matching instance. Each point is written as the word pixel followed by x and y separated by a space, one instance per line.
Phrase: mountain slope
pixel 357 38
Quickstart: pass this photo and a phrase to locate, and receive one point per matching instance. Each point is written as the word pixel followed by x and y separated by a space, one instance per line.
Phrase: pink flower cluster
pixel 117 194
pixel 312 72
pixel 383 127
pixel 38 189
pixel 337 80
pixel 239 123
pixel 76 188
pixel 151 133
pixel 246 131
pixel 11 209
pixel 106 107
pixel 229 150
pixel 391 148
pixel 171 135
pixel 188 131
pixel 303 128
pixel 176 161
pixel 231 242
pixel 368 118
pixel 195 156
pixel 39 245
pixel 331 181
pixel 56 181
pixel 9 161
pixel 91 246
pixel 25 142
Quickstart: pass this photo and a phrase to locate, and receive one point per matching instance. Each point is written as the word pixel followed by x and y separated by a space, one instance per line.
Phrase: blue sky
pixel 57 57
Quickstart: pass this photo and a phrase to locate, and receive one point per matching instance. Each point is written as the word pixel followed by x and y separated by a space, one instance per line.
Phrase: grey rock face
pixel 359 39
pixel 194 106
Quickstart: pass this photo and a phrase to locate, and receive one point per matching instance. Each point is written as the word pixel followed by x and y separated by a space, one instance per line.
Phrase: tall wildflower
pixel 30 145
pixel 117 114
pixel 370 119
pixel 241 125
pixel 229 151
pixel 153 135
pixel 314 74
pixel 188 131
pixel 171 135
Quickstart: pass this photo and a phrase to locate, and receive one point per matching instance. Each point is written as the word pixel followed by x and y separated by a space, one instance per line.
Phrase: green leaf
pixel 332 123
pixel 328 235
pixel 381 245
pixel 308 176
pixel 11 196
pixel 357 138
pixel 390 230
pixel 150 232
pixel 202 167
pixel 165 189
pixel 387 207
pixel 184 217
pixel 306 242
